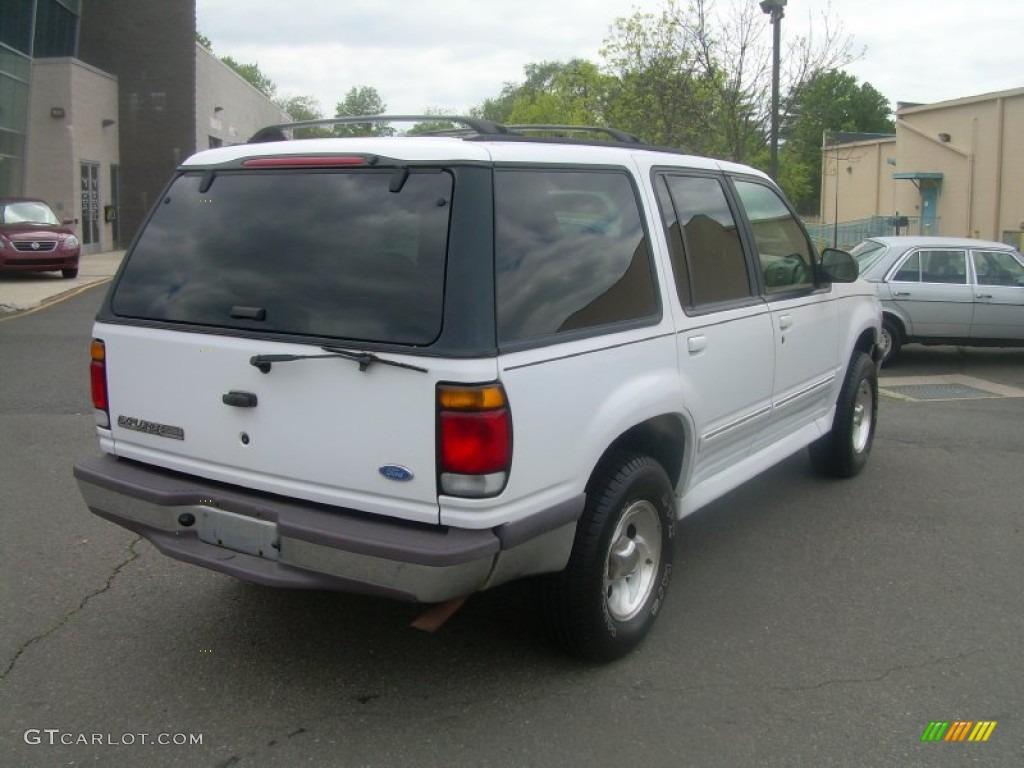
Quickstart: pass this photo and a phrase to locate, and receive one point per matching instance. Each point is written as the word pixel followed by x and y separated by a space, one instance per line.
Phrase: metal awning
pixel 919 175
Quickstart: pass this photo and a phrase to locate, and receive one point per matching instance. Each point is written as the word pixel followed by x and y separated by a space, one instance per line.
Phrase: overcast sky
pixel 452 54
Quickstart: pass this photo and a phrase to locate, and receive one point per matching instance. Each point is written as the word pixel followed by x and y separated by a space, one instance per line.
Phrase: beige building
pixel 71 151
pixel 953 168
pixel 228 108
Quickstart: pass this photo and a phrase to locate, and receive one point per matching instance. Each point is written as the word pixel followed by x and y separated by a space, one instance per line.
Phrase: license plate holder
pixel 238 533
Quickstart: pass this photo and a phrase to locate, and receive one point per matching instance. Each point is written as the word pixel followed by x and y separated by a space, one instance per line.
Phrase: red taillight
pixel 98 377
pixel 474 438
pixel 305 161
pixel 476 443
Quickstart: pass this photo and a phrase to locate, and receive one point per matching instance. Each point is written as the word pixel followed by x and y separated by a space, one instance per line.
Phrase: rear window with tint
pixel 570 253
pixel 329 253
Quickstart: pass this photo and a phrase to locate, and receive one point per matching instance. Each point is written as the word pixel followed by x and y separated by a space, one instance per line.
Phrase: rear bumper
pixel 289 543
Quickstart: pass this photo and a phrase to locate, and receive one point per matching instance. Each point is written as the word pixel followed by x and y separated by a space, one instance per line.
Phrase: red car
pixel 33 238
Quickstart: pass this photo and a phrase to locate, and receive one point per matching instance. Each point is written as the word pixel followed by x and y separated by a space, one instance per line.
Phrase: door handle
pixel 901 293
pixel 785 321
pixel 983 295
pixel 697 344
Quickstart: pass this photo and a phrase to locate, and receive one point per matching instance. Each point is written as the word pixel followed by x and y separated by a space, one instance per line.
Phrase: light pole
pixel 775 9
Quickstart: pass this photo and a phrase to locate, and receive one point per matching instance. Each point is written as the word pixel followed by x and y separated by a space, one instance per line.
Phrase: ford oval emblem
pixel 395 472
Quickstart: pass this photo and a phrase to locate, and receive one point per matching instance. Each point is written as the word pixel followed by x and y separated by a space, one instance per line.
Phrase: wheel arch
pixel 664 438
pixel 897 321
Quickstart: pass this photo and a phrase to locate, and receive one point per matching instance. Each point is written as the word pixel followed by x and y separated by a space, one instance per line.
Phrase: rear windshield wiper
pixel 365 359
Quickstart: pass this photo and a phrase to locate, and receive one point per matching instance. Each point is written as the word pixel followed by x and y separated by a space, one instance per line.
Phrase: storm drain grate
pixel 940 392
pixel 953 387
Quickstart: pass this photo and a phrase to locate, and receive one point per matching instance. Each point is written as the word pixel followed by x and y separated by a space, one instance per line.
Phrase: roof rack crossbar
pixel 614 133
pixel 474 124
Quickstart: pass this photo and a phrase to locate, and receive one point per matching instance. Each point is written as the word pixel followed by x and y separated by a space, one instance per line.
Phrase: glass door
pixel 90 207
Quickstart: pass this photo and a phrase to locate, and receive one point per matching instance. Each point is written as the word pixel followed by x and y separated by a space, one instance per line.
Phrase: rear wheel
pixel 843 452
pixel 608 596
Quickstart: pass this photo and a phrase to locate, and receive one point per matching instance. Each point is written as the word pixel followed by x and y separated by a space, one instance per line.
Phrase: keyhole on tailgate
pixel 244 437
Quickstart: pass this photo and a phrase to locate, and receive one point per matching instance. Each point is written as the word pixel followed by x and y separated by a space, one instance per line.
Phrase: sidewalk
pixel 22 291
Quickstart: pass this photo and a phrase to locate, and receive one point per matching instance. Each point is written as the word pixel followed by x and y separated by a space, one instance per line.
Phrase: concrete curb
pixel 26 291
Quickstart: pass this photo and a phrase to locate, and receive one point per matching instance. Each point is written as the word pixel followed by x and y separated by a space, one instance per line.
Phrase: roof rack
pixel 613 133
pixel 473 125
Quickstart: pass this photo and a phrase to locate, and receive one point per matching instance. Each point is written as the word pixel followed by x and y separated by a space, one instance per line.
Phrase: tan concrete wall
pixel 56 146
pixel 976 143
pixel 865 180
pixel 49 145
pixel 227 106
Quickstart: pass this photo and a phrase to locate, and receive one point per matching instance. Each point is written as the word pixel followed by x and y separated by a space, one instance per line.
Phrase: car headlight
pixel 71 242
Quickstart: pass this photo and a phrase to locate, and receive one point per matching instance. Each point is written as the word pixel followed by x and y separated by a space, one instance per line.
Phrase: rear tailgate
pixel 235 263
pixel 317 429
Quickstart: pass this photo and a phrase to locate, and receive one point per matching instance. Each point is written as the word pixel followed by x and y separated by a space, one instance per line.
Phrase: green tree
pixel 254 76
pixel 828 102
pixel 204 41
pixel 702 78
pixel 301 108
pixel 570 93
pixel 362 100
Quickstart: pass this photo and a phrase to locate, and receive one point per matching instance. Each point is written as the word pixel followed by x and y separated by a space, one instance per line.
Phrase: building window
pixel 56 30
pixel 215 142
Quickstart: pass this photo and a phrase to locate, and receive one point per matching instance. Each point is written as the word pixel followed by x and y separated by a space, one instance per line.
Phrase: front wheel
pixel 68 274
pixel 843 452
pixel 891 340
pixel 608 596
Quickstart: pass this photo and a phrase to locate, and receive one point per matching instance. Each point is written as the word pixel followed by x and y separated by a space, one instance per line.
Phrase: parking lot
pixel 810 622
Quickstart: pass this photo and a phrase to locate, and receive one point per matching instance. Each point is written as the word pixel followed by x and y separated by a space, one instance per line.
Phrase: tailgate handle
pixel 239 399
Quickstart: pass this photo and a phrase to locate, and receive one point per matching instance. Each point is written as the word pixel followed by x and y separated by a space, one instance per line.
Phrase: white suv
pixel 423 366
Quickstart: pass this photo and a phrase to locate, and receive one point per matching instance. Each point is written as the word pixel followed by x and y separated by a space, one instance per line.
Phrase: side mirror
pixel 68 222
pixel 837 267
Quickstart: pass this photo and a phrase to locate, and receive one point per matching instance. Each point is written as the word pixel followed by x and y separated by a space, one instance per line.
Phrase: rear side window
pixel 335 254
pixel 570 253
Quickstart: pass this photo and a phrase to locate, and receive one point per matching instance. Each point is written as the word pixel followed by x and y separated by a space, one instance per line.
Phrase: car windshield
pixel 867 254
pixel 336 254
pixel 27 212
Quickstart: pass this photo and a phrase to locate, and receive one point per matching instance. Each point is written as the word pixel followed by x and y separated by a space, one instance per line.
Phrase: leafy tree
pixel 552 92
pixel 301 108
pixel 573 93
pixel 204 41
pixel 362 100
pixel 703 79
pixel 829 101
pixel 254 76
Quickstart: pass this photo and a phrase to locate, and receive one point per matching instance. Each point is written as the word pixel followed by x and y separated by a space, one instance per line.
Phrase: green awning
pixel 919 176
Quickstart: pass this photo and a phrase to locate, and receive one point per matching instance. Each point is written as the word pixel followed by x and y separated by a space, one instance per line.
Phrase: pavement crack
pixel 815 686
pixel 134 555
pixel 875 678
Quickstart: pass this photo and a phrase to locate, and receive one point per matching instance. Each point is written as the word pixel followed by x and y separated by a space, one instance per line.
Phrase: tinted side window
pixel 782 247
pixel 570 251
pixel 707 257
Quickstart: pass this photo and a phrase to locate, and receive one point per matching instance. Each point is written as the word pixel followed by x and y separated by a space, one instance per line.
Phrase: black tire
pixel 892 340
pixel 68 274
pixel 590 611
pixel 843 452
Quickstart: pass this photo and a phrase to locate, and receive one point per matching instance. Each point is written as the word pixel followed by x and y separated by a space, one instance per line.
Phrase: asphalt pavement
pixel 809 623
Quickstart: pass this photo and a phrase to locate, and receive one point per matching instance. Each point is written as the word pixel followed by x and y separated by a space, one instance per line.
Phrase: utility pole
pixel 775 9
